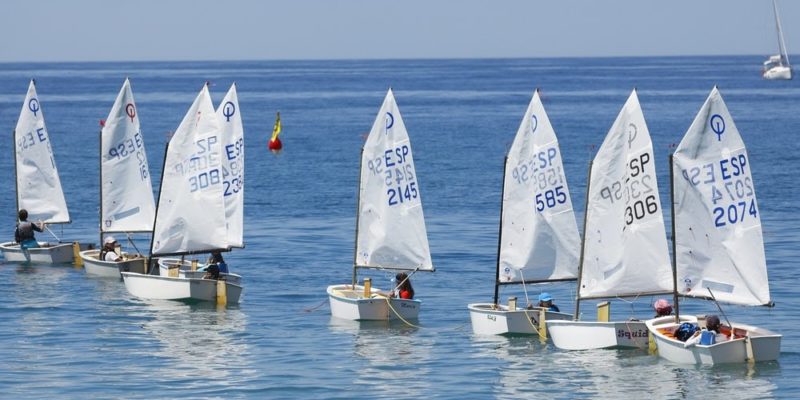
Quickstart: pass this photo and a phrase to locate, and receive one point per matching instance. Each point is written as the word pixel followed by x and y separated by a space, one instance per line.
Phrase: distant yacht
pixel 777 66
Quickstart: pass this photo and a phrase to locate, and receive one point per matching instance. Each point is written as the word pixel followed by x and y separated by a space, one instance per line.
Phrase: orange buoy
pixel 275 144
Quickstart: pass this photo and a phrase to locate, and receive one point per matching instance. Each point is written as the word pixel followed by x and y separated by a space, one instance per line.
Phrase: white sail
pixel 781 43
pixel 539 235
pixel 191 208
pixel 717 221
pixel 38 185
pixel 625 250
pixel 391 225
pixel 232 141
pixel 127 191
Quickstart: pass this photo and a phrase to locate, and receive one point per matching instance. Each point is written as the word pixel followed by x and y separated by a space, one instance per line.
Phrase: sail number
pixel 729 188
pixel 636 190
pixel 233 181
pixel 128 147
pixel 30 139
pixel 396 169
pixel 544 176
pixel 202 169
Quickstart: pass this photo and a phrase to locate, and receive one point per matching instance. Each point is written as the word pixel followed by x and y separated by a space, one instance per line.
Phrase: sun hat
pixel 662 307
pixel 109 240
pixel 545 297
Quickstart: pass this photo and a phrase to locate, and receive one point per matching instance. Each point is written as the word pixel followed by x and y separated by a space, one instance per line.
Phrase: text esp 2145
pixel 396 167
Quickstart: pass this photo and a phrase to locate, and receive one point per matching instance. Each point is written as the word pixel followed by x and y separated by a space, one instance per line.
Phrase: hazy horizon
pixel 306 30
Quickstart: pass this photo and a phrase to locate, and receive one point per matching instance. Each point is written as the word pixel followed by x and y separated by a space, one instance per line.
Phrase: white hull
pixel 779 72
pixel 766 345
pixel 349 303
pixel 176 267
pixel 46 253
pixel 588 335
pixel 155 287
pixel 111 269
pixel 488 319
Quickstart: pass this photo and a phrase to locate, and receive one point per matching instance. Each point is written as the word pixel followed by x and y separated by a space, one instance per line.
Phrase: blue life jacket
pixel 685 331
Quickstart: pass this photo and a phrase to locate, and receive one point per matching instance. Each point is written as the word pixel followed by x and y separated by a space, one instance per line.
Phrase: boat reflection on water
pixel 525 367
pixel 200 341
pixel 395 356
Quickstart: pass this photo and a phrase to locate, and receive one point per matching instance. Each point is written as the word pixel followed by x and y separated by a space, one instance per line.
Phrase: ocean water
pixel 66 335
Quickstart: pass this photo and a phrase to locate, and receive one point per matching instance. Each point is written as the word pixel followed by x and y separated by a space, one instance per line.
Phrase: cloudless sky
pixel 117 30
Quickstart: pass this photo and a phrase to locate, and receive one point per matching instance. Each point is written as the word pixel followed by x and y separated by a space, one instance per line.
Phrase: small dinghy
pixel 38 188
pixel 538 238
pixel 390 225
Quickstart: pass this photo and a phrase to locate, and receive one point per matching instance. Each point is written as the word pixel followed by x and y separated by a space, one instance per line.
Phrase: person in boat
pixel 662 308
pixel 216 259
pixel 108 252
pixel 23 234
pixel 708 335
pixel 546 301
pixel 404 290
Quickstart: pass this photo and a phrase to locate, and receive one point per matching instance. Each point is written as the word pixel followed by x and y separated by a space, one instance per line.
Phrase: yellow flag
pixel 277 128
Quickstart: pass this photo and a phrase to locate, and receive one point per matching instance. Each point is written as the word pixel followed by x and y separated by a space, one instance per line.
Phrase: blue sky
pixel 114 30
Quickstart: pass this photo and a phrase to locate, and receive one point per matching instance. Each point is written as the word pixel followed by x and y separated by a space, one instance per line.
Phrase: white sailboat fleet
pixel 126 194
pixel 390 225
pixel 778 66
pixel 199 207
pixel 624 251
pixel 38 187
pixel 538 237
pixel 718 245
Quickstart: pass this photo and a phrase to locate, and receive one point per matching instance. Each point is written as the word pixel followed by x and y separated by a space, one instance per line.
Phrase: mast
pixel 781 43
pixel 583 244
pixel 100 212
pixel 158 203
pixel 358 215
pixel 674 246
pixel 16 179
pixel 500 234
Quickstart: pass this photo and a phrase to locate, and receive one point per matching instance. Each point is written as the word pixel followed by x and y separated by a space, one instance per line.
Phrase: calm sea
pixel 63 334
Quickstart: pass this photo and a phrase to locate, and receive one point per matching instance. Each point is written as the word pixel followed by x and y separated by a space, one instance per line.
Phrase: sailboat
pixel 538 237
pixel 126 194
pixel 191 210
pixel 624 251
pixel 390 225
pixel 717 239
pixel 778 66
pixel 38 187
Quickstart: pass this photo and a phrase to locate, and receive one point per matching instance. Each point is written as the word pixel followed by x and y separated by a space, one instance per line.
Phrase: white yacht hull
pixel 46 253
pixel 348 302
pixel 779 72
pixel 491 319
pixel 156 287
pixel 112 269
pixel 766 345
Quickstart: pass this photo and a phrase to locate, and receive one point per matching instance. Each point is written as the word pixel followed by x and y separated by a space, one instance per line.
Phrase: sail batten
pixel 127 191
pixel 391 225
pixel 38 184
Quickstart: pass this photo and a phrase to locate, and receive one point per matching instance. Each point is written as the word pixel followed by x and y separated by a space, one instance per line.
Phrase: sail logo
pixel 717 125
pixel 389 122
pixel 130 109
pixel 632 133
pixel 534 123
pixel 228 111
pixel 33 105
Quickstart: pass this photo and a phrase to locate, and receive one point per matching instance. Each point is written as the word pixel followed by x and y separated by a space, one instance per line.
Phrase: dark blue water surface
pixel 63 334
